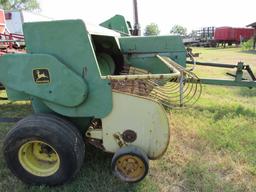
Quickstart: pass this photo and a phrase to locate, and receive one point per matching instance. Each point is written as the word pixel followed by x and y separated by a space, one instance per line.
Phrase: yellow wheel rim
pixel 39 158
pixel 130 167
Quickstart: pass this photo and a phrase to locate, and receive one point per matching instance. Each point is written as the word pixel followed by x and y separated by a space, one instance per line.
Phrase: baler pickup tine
pixel 180 88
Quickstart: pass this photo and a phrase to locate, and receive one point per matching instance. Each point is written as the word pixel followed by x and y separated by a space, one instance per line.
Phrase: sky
pixel 192 14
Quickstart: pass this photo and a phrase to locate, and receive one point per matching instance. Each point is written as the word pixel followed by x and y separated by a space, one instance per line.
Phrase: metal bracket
pixel 94 133
pixel 239 71
pixel 238 81
pixel 119 139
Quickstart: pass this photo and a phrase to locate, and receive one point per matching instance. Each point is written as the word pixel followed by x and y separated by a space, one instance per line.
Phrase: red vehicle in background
pixel 212 37
pixel 232 35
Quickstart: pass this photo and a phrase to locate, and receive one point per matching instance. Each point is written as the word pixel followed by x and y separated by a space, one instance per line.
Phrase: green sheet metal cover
pixel 71 44
pixel 170 46
pixel 117 23
pixel 151 44
pixel 42 76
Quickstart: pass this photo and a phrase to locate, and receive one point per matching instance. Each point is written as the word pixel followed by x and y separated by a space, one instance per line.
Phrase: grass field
pixel 212 147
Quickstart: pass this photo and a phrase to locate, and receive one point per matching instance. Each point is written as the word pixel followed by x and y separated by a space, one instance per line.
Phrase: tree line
pixel 153 29
pixel 20 5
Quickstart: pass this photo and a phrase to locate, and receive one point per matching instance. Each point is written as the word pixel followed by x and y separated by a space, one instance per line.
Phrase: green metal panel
pixel 109 47
pixel 151 44
pixel 71 44
pixel 14 95
pixel 69 92
pixel 117 23
pixel 39 107
pixel 170 46
pixel 151 64
pixel 106 64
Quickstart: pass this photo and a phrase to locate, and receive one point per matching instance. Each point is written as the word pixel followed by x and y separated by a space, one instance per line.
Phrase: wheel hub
pixel 39 158
pixel 130 167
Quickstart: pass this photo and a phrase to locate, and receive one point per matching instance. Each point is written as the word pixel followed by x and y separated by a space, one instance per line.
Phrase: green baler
pixel 100 86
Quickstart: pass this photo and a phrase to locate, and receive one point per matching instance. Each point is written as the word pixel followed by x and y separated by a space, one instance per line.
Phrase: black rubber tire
pixel 134 151
pixel 50 129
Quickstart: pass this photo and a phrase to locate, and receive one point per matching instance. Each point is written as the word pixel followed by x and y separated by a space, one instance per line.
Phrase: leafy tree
pixel 20 4
pixel 248 45
pixel 179 30
pixel 151 29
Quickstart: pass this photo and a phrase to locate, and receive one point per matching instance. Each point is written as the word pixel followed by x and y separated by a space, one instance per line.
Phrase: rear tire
pixel 44 150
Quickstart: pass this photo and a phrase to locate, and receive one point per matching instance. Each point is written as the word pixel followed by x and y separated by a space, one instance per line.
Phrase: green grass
pixel 212 146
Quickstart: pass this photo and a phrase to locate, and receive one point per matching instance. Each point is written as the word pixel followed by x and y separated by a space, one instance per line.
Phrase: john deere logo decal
pixel 41 75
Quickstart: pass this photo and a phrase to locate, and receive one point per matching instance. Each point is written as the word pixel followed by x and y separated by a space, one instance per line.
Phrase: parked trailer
pixel 232 35
pixel 203 37
pixel 211 37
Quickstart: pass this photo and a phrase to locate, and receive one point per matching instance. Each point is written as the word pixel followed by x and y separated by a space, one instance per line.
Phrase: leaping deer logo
pixel 40 75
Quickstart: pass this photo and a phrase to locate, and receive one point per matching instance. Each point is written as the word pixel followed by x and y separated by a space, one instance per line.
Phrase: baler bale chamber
pixel 98 86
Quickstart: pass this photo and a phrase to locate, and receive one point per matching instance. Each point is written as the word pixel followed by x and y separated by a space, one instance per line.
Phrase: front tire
pixel 44 150
pixel 130 164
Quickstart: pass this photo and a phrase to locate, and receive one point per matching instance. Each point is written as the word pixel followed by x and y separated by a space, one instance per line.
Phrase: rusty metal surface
pixel 171 92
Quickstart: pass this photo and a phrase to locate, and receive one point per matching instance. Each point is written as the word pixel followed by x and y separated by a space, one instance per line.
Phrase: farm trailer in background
pixel 212 37
pixel 232 35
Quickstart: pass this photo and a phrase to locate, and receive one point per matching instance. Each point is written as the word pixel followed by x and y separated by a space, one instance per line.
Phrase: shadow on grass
pixel 199 176
pixel 220 48
pixel 251 52
pixel 246 92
